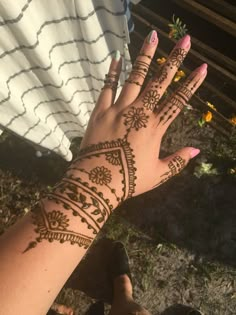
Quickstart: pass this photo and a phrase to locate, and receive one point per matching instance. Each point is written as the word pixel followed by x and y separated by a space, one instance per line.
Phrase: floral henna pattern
pixel 136 118
pixel 53 226
pixel 178 57
pixel 113 157
pixel 151 99
pixel 161 75
pixel 100 175
pixel 57 220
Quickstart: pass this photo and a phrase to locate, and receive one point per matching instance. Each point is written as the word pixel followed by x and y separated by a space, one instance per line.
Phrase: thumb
pixel 174 163
pixel 181 157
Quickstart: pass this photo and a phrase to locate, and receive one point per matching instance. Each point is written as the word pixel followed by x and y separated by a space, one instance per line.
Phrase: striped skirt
pixel 54 55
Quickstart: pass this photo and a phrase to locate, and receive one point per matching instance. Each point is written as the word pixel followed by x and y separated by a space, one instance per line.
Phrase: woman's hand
pixel 120 150
pixel 119 158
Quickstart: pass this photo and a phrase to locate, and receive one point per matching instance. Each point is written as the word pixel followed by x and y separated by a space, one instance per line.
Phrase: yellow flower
pixel 177 78
pixel 210 105
pixel 233 120
pixel 232 171
pixel 162 60
pixel 179 75
pixel 207 117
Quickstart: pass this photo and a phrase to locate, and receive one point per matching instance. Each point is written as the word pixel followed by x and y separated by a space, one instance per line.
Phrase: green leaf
pixel 201 122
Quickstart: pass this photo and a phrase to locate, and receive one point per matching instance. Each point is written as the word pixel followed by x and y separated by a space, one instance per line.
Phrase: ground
pixel 181 237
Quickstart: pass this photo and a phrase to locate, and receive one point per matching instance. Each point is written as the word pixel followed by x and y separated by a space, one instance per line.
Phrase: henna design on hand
pixel 52 226
pixel 171 110
pixel 139 70
pixel 177 57
pixel 144 55
pixel 151 99
pixel 161 76
pixel 113 157
pixel 136 118
pixel 178 101
pixel 175 166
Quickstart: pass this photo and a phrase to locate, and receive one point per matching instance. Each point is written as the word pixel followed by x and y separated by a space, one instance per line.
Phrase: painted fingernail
pixel 203 68
pixel 116 55
pixel 152 37
pixel 194 152
pixel 184 42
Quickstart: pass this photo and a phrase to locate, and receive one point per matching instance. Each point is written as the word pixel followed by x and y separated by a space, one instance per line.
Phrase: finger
pixel 172 106
pixel 139 71
pixel 108 93
pixel 158 84
pixel 175 163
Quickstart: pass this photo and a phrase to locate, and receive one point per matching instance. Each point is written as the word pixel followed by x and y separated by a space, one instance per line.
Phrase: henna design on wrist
pixel 119 154
pixel 175 166
pixel 78 197
pixel 53 226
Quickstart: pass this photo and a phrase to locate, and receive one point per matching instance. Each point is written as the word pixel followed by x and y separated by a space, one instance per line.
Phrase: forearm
pixel 40 252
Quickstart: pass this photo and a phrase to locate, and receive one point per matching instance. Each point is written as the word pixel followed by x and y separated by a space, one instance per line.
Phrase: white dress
pixel 54 55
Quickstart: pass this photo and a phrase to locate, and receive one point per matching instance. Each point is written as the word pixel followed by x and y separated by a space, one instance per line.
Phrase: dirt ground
pixel 181 237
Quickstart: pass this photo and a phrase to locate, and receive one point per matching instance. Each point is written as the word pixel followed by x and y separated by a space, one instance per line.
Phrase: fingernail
pixel 116 55
pixel 194 152
pixel 203 68
pixel 184 42
pixel 152 37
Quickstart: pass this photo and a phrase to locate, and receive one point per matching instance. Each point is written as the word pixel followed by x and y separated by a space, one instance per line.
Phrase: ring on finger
pixel 111 81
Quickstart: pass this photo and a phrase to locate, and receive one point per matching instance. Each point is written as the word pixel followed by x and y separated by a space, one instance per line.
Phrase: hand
pixel 119 158
pixel 123 138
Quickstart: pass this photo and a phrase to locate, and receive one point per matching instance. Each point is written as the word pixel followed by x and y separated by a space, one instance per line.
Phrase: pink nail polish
pixel 194 152
pixel 184 42
pixel 203 68
pixel 152 37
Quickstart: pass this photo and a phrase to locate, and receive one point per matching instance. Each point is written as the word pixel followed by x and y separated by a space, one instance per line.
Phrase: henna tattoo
pixel 177 57
pixel 161 76
pixel 150 99
pixel 136 118
pixel 133 82
pixel 144 55
pixel 171 110
pixel 175 166
pixel 52 226
pixel 100 178
pixel 100 175
pixel 140 68
pixel 125 168
pixel 113 157
pixel 184 93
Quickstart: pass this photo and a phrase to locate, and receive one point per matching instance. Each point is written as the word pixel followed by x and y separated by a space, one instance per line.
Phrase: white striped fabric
pixel 53 58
